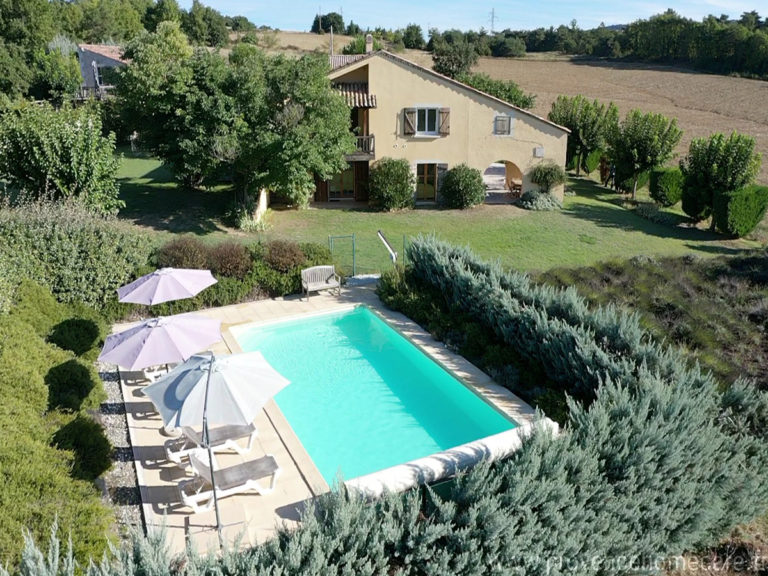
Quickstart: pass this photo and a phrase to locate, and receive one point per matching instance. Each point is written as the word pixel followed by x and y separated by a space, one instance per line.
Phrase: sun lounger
pixel 221 438
pixel 239 479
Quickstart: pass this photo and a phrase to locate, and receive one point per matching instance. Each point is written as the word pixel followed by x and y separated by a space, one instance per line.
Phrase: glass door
pixel 426 182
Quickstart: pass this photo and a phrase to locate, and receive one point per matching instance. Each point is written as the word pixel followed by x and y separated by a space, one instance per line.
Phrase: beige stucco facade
pixel 399 85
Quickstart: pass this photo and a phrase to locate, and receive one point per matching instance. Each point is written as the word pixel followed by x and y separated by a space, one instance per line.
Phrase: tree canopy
pixel 325 22
pixel 641 142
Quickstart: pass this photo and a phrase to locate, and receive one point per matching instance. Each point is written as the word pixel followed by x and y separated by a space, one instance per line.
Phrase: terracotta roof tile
pixel 106 50
pixel 356 94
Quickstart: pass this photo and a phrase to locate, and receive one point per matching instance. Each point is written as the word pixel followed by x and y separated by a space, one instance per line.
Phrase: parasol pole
pixel 210 452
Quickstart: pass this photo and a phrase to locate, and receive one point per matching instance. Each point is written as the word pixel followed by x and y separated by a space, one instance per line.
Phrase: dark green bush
pixel 275 282
pixel 463 187
pixel 591 161
pixel 284 256
pixel 183 252
pixel 316 254
pixel 547 175
pixel 91 450
pixel 78 335
pixel 624 181
pixel 392 184
pixel 739 212
pixel 666 186
pixel 83 258
pixel 231 259
pixel 37 307
pixel 69 383
pixel 540 201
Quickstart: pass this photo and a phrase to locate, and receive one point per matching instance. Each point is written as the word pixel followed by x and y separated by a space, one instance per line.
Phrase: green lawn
pixel 592 227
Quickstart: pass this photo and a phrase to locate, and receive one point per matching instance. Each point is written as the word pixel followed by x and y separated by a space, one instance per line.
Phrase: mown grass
pixel 593 226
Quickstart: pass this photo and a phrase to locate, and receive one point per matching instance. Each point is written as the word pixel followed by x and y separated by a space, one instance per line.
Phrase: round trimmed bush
pixel 739 212
pixel 184 252
pixel 463 187
pixel 666 186
pixel 392 184
pixel 539 201
pixel 230 259
pixel 547 175
pixel 284 256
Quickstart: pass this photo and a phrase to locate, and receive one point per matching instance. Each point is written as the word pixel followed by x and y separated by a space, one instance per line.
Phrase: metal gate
pixel 355 254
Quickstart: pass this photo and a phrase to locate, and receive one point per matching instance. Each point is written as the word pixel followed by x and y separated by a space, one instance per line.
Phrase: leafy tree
pixel 239 23
pixel 716 165
pixel 205 26
pixel 642 142
pixel 175 99
pixel 324 22
pixel 16 74
pixel 26 23
pixel 57 76
pixel 413 37
pixel 454 59
pixel 357 46
pixel 163 11
pixel 505 90
pixel 507 47
pixel 59 154
pixel 110 21
pixel 294 124
pixel 590 124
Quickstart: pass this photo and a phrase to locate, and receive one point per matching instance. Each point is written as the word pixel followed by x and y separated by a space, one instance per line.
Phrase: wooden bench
pixel 320 278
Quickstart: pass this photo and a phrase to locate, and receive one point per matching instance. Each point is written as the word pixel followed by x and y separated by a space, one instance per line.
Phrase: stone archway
pixel 503 179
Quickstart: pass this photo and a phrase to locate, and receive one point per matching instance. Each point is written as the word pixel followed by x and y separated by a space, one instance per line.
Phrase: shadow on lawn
pixel 166 206
pixel 609 213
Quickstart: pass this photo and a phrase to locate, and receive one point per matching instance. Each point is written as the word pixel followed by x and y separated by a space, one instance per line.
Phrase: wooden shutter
pixel 409 121
pixel 444 122
pixel 502 125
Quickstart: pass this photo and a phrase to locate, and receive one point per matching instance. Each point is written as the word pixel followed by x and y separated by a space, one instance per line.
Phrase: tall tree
pixel 300 129
pixel 716 165
pixel 590 124
pixel 325 22
pixel 453 59
pixel 413 37
pixel 163 11
pixel 641 142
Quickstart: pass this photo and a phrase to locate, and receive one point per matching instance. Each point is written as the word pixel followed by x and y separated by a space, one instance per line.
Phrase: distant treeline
pixel 716 44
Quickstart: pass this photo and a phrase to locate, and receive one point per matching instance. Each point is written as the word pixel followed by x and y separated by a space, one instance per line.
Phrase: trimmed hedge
pixel 666 187
pixel 81 257
pixel 462 187
pixel 41 482
pixel 391 184
pixel 739 212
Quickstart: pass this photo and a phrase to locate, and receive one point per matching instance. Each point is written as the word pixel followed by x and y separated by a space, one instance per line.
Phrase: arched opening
pixel 503 177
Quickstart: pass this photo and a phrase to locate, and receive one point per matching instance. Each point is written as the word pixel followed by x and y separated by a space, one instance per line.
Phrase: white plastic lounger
pixel 198 494
pixel 221 438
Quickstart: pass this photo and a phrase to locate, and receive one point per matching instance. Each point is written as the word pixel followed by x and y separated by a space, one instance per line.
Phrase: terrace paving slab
pixel 251 519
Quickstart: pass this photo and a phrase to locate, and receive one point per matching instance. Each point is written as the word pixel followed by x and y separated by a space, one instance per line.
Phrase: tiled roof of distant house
pixel 107 50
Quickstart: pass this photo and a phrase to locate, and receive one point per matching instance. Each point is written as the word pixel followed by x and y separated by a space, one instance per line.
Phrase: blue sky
pixel 444 14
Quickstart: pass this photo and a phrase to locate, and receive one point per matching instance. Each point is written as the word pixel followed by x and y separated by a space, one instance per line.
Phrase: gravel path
pixel 119 484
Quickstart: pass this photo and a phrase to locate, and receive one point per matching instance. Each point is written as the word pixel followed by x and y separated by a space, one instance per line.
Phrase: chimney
pixel 368 43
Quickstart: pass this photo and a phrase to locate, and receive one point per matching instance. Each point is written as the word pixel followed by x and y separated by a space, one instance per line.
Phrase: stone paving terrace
pixel 250 517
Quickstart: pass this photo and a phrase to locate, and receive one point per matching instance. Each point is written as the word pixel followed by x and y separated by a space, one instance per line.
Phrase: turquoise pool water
pixel 362 398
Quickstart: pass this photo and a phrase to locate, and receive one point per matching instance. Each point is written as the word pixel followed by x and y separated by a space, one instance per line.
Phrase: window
pixel 342 185
pixel 426 182
pixel 426 120
pixel 502 125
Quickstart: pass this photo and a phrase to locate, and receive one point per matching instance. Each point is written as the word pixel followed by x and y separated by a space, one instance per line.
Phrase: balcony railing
pixel 366 148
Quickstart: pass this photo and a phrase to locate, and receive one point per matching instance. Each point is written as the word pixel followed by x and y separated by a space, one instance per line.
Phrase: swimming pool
pixel 362 397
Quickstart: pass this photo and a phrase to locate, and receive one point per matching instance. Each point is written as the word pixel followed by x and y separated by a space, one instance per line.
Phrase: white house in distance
pixel 97 62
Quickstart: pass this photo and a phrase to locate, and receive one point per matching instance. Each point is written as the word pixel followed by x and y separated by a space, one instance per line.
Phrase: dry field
pixel 702 103
pixel 301 42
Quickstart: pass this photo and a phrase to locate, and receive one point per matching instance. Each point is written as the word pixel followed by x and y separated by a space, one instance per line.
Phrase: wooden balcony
pixel 366 149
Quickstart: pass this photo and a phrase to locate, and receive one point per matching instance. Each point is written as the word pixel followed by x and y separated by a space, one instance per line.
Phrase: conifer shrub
pixel 591 161
pixel 666 186
pixel 69 384
pixel 739 212
pixel 539 201
pixel 463 187
pixel 91 451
